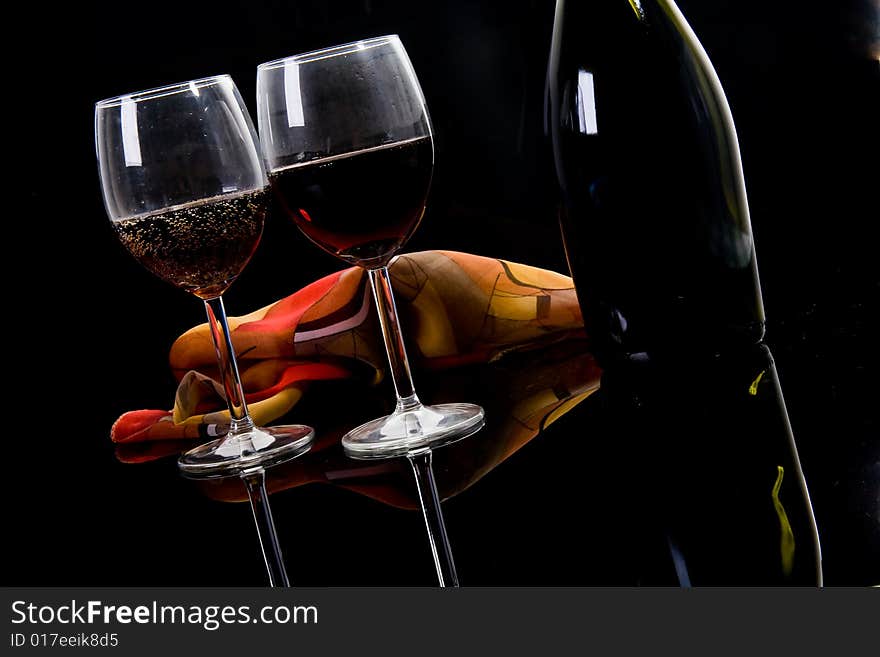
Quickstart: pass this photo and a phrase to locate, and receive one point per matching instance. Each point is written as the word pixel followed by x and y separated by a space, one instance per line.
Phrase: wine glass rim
pixel 164 90
pixel 330 51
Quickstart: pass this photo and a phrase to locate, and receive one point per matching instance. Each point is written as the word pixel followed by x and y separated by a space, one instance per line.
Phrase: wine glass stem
pixel 430 501
pixel 255 481
pixel 380 281
pixel 240 420
pixel 407 400
pixel 240 424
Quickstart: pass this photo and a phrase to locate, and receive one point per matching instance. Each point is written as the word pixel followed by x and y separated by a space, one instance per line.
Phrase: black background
pixel 88 331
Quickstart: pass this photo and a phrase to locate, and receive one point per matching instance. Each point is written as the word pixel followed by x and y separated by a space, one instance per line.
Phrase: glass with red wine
pixel 348 142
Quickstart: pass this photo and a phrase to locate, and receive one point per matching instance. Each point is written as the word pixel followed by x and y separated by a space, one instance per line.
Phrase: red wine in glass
pixel 360 206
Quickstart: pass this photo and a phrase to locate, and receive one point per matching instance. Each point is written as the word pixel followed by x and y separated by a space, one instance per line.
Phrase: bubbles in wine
pixel 201 247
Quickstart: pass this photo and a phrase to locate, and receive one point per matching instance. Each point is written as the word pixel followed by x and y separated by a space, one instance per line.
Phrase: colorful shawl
pixel 459 312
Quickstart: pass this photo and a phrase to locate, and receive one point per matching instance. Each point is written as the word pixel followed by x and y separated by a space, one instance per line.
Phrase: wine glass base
pixel 407 432
pixel 260 447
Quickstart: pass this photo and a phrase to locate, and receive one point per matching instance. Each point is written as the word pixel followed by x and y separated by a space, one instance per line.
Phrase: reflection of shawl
pixel 456 309
pixel 522 393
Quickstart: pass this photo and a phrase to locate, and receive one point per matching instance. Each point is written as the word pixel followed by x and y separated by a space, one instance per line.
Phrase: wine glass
pixel 185 188
pixel 348 141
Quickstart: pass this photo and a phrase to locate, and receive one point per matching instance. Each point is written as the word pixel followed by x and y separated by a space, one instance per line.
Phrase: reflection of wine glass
pixel 185 188
pixel 348 141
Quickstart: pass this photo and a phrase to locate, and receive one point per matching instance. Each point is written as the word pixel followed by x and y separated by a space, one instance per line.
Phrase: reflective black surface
pixel 89 330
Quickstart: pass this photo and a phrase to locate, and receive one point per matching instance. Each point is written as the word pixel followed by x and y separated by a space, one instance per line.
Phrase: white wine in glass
pixel 185 187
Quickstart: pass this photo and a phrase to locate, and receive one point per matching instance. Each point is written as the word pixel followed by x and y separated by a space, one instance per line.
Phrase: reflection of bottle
pixel 657 233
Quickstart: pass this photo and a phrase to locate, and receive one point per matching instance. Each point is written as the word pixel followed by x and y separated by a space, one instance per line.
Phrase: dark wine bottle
pixel 648 163
pixel 656 228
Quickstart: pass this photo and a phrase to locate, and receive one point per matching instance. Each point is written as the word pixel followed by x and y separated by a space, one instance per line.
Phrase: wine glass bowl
pixel 349 145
